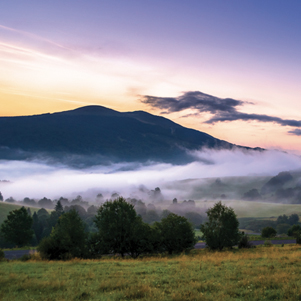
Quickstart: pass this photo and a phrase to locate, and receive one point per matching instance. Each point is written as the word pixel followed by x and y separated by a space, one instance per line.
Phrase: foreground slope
pixel 103 133
pixel 263 273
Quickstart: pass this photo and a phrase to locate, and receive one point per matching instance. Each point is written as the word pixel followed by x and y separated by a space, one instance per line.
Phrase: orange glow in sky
pixel 55 69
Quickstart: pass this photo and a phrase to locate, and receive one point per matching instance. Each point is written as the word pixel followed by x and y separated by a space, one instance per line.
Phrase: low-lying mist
pixel 37 179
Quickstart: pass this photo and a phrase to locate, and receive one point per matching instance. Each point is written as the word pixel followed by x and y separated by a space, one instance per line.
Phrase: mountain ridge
pixel 103 133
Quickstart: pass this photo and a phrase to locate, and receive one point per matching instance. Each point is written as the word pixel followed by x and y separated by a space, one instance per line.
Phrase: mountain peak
pixel 90 110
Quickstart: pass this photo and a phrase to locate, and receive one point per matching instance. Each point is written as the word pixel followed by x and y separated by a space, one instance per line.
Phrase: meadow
pixel 5 208
pixel 256 209
pixel 263 273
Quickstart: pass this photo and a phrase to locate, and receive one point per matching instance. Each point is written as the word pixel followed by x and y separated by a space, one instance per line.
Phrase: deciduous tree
pixel 268 232
pixel 67 239
pixel 222 228
pixel 121 231
pixel 17 227
pixel 176 233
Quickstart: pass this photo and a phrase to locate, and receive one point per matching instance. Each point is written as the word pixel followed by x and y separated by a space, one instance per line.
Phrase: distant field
pixel 257 209
pixel 264 273
pixel 5 208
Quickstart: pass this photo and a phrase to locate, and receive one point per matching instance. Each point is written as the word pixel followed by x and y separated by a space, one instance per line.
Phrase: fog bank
pixel 38 179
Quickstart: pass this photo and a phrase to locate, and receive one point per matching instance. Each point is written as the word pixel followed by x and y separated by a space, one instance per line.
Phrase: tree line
pixel 119 230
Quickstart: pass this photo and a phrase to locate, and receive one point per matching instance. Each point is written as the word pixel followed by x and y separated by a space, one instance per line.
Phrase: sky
pixel 229 68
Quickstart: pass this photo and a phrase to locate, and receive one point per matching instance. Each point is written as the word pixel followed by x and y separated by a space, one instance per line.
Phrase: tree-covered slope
pixel 102 132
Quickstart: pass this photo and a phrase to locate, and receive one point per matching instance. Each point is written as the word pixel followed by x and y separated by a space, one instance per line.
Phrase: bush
pixel 2 255
pixel 25 257
pixel 268 243
pixel 297 235
pixel 268 232
pixel 244 242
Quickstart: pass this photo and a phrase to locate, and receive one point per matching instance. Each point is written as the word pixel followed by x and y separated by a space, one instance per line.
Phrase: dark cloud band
pixel 193 100
pixel 296 132
pixel 223 109
pixel 256 117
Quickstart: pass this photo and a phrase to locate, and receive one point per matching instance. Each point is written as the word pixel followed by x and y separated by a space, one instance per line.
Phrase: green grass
pixel 257 209
pixel 21 248
pixel 5 208
pixel 265 273
pixel 259 237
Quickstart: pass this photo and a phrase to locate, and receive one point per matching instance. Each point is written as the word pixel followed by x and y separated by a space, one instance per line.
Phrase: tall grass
pixel 256 274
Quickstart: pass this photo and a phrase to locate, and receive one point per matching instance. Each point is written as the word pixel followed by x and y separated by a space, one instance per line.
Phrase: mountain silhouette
pixel 101 135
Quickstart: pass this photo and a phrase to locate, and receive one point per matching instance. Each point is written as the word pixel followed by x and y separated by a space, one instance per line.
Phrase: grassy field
pixel 5 208
pixel 265 273
pixel 256 209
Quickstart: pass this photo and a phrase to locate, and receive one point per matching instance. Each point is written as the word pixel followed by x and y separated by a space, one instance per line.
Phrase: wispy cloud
pixel 223 110
pixel 34 36
pixel 296 132
pixel 22 51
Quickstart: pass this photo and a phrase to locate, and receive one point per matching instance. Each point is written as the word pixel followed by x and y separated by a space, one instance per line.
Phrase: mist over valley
pixel 93 154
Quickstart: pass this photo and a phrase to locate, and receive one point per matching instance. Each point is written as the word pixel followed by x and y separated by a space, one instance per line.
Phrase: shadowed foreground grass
pixel 265 273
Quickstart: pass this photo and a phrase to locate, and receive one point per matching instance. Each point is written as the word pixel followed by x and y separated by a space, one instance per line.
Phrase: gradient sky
pixel 61 54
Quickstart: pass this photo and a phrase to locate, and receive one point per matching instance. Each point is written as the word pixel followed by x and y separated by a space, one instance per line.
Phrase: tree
pixel 79 209
pixel 177 234
pixel 45 203
pixel 67 239
pixel 30 202
pixel 222 228
pixel 37 227
pixel 17 227
pixel 59 208
pixel 92 210
pixel 282 228
pixel 1 197
pixel 268 232
pixel 10 200
pixel 282 219
pixel 64 202
pixel 293 229
pixel 151 216
pixel 293 219
pixel 121 231
pixel 141 239
pixel 194 218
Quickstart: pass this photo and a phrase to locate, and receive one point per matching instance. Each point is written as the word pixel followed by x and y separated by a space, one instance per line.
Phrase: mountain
pixel 99 135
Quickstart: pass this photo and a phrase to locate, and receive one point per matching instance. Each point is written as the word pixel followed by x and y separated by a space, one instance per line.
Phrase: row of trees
pixel 281 224
pixel 119 231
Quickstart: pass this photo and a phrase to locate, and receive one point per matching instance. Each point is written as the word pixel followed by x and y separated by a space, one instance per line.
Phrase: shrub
pixel 2 255
pixel 297 235
pixel 244 242
pixel 25 257
pixel 268 243
pixel 268 232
